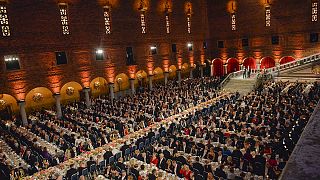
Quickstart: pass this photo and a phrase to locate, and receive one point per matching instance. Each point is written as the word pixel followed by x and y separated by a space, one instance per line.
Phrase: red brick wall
pixel 290 20
pixel 37 33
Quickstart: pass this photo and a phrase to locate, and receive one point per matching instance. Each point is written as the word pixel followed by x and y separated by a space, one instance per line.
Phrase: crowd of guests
pixel 82 129
pixel 235 138
pixel 247 138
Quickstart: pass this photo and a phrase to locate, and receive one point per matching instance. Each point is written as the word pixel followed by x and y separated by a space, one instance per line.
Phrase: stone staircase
pixel 243 86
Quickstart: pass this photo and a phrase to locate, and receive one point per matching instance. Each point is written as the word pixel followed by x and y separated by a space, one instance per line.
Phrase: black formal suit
pixel 89 163
pixel 166 154
pixel 181 159
pixel 135 172
pixel 176 170
pixel 107 155
pixel 70 172
pixel 198 166
pixel 162 163
pixel 152 177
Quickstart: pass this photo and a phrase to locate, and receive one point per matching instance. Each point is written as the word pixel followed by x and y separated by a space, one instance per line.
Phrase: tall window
pixel 189 23
pixel 167 24
pixel 64 18
pixel 314 12
pixel 189 13
pixel 233 22
pixel 4 21
pixel 107 19
pixel 268 16
pixel 143 22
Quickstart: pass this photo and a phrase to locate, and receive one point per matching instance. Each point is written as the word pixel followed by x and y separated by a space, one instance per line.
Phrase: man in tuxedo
pixel 90 162
pixel 197 165
pixel 176 169
pixel 162 162
pixel 107 154
pixel 29 158
pixel 181 159
pixel 120 164
pixel 123 175
pixel 71 171
pixel 134 171
pixel 35 168
pixel 220 173
pixel 152 176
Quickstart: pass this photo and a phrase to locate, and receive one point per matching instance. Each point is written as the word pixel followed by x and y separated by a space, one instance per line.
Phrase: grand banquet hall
pixel 159 90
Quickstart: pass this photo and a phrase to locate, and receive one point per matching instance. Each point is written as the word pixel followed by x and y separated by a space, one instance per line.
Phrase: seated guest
pixel 197 165
pixel 176 169
pixel 186 172
pixel 90 162
pixel 154 160
pixel 162 162
pixel 71 171
pixel 153 175
pixel 220 173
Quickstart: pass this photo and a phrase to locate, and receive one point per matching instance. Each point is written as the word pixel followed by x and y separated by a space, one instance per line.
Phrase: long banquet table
pixel 116 144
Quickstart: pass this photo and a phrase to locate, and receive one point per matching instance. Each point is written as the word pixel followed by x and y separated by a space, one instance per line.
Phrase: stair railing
pixel 274 70
pixel 296 63
pixel 229 76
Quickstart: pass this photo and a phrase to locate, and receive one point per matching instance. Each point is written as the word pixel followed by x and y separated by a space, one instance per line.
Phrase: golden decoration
pixel 37 97
pixel 70 91
pixel 2 104
pixel 97 85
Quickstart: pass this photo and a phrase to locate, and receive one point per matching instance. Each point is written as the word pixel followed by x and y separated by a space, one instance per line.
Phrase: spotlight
pixel 189 45
pixel 99 51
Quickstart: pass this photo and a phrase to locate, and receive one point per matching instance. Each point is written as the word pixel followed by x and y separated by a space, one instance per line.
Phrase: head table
pixel 116 144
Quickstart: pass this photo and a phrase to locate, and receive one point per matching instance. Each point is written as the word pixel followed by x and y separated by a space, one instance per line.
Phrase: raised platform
pixel 304 162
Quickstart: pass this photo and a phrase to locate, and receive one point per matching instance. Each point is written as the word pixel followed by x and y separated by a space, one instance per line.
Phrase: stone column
pixel 23 114
pixel 150 82
pixel 191 72
pixel 225 68
pixel 87 96
pixel 111 91
pixel 201 71
pixel 166 75
pixel 211 70
pixel 133 91
pixel 57 97
pixel 241 67
pixel 179 76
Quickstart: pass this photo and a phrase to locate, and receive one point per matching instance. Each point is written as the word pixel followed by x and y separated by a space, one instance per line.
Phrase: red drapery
pixel 249 62
pixel 286 59
pixel 233 65
pixel 217 67
pixel 267 62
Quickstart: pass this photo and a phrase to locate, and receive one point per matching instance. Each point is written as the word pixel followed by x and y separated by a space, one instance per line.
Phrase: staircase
pixel 299 70
pixel 243 86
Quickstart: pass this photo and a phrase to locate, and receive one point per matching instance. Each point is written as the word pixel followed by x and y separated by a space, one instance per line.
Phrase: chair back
pixel 75 176
pixel 141 146
pixel 118 155
pixel 127 152
pixel 85 171
pixel 111 160
pixel 92 168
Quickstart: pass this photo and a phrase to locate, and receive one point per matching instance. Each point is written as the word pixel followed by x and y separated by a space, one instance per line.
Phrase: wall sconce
pixel 139 76
pixel 119 80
